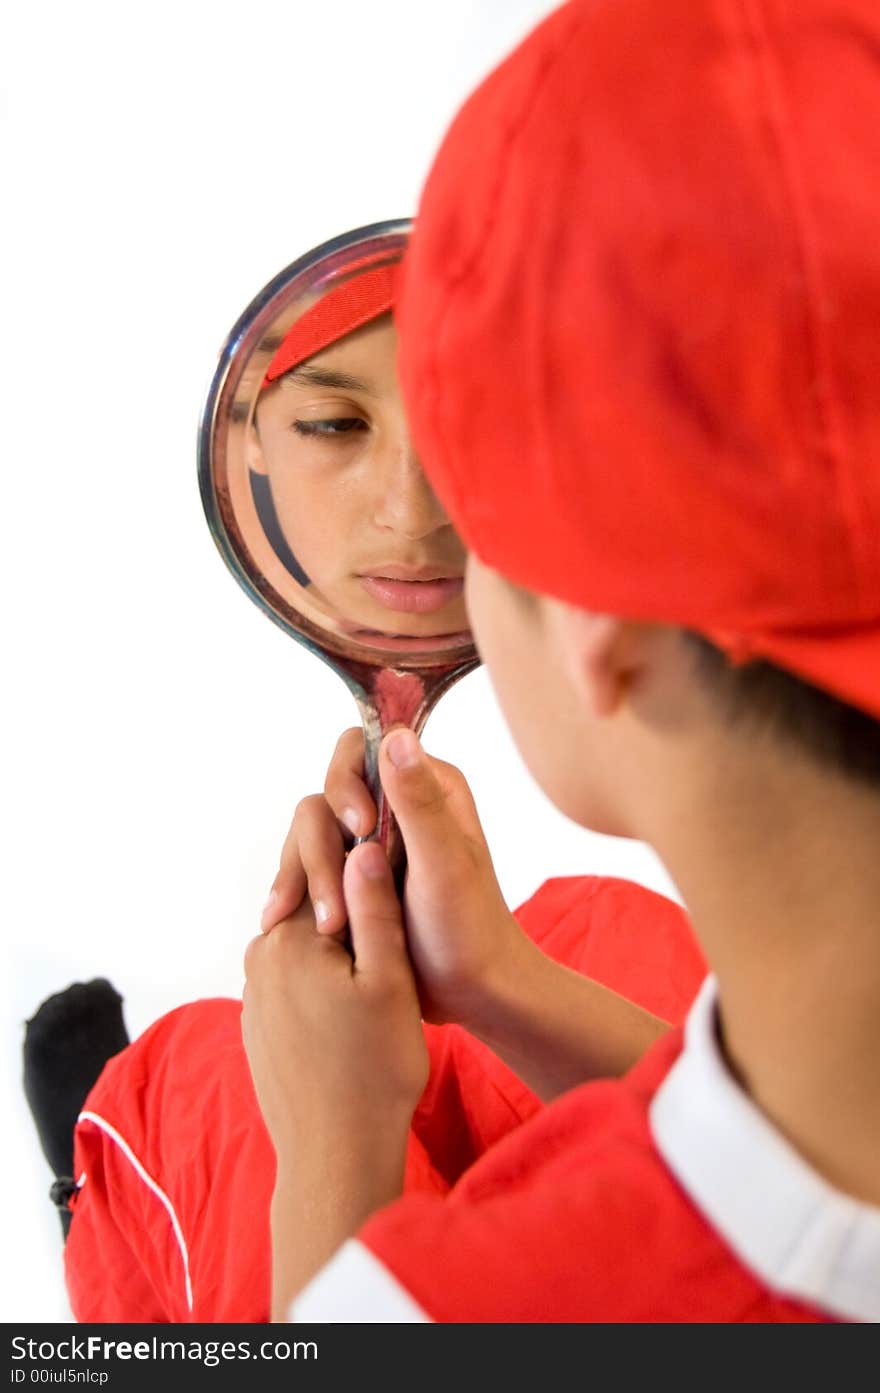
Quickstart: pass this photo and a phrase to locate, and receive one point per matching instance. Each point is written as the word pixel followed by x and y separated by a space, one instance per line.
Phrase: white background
pixel 163 162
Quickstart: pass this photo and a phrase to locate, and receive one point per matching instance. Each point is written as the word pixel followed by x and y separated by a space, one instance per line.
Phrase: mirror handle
pixel 393 697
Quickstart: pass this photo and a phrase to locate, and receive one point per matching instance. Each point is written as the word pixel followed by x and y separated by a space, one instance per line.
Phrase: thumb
pixel 418 799
pixel 433 806
pixel 374 914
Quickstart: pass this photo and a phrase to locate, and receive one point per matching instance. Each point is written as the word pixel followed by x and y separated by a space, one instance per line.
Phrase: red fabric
pixel 638 323
pixel 181 1098
pixel 339 312
pixel 574 1217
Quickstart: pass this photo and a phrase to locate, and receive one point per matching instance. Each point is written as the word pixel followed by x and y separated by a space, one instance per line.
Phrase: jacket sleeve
pixel 631 939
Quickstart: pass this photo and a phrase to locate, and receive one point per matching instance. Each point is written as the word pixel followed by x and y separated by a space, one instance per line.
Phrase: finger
pixel 251 955
pixel 374 913
pixel 311 863
pixel 322 853
pixel 345 789
pixel 289 885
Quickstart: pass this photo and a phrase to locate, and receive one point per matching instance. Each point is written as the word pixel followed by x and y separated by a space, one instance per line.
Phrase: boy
pixel 174 1170
pixel 640 359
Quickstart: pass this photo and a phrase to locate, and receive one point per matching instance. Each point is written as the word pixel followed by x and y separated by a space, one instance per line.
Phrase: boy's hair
pixel 768 698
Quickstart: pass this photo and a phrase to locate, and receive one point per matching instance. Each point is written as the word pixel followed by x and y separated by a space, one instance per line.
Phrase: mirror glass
pixel 311 484
pixel 314 493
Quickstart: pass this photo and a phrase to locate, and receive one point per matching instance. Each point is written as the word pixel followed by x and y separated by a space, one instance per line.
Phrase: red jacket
pixel 171 1221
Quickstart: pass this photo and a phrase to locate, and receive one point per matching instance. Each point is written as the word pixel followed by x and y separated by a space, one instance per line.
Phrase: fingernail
pixel 372 861
pixel 268 907
pixel 403 749
pixel 322 911
pixel 352 820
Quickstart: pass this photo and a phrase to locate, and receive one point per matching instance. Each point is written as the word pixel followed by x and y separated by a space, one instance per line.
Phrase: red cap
pixel 640 334
pixel 360 299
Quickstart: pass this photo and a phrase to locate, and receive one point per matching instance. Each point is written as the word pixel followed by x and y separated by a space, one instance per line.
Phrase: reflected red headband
pixel 338 313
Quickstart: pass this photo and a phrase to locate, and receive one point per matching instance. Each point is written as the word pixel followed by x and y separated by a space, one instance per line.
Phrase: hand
pixel 473 963
pixel 339 1061
pixel 334 1042
pixel 463 940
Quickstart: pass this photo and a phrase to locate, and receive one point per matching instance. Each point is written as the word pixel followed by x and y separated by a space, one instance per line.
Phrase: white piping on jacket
pixel 157 1190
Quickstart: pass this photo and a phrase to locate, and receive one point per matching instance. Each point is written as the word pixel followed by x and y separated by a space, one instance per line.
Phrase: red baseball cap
pixel 640 323
pixel 360 299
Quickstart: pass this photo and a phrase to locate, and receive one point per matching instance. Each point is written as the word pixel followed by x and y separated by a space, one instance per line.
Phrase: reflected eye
pixel 334 425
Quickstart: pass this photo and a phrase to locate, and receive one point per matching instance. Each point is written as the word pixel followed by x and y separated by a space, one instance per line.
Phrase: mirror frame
pixel 390 686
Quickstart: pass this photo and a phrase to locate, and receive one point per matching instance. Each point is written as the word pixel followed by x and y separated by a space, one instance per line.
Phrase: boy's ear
pixel 601 654
pixel 253 449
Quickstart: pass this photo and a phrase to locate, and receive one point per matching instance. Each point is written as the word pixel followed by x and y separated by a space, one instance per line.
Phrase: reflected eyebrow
pixel 323 377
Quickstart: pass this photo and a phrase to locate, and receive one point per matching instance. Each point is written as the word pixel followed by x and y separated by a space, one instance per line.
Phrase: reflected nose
pixel 405 503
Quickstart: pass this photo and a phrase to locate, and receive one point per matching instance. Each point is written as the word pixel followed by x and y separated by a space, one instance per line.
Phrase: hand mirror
pixel 316 499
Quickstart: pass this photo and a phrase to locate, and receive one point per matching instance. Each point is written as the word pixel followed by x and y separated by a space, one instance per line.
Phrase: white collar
pixel 801 1236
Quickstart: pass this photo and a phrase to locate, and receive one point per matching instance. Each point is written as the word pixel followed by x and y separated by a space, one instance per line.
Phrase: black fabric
pixel 60 1193
pixel 66 1045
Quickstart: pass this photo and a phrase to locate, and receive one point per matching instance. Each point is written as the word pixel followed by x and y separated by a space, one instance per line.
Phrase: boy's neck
pixel 780 870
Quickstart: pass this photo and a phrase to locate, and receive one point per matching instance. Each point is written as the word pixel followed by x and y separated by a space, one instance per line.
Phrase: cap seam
pixel 808 261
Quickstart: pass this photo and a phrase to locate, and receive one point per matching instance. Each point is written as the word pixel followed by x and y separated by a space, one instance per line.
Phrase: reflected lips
pixel 412 595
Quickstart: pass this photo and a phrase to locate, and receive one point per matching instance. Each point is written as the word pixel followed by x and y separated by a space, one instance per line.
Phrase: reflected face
pixel 351 499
